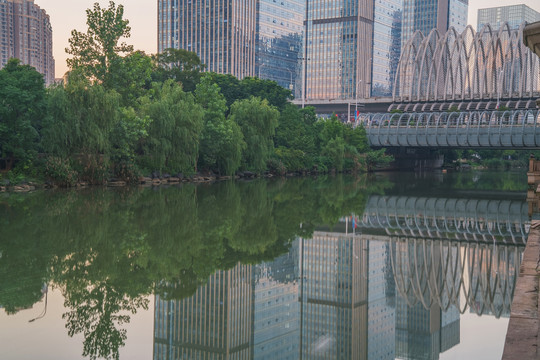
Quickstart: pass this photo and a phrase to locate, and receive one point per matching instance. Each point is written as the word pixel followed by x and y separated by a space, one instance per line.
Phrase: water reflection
pixel 329 268
pixel 391 282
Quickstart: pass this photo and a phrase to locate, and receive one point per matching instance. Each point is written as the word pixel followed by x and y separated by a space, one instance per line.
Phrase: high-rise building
pixel 425 15
pixel 26 34
pixel 239 37
pixel 514 15
pixel 222 33
pixel 352 49
pixel 280 25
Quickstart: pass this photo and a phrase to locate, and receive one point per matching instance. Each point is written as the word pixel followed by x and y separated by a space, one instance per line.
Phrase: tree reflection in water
pixel 107 250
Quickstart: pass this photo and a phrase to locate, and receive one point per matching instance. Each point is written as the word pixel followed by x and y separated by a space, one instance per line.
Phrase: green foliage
pixel 180 65
pixel 292 159
pixel 130 76
pixel 22 105
pixel 78 126
pixel 175 129
pixel 96 53
pixel 377 158
pixel 222 141
pixel 126 137
pixel 234 89
pixel 60 171
pixel 258 121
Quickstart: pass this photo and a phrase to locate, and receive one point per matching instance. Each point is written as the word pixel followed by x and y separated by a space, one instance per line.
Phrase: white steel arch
pixel 494 66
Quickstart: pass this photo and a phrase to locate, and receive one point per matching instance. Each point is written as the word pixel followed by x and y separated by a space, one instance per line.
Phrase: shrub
pixel 60 171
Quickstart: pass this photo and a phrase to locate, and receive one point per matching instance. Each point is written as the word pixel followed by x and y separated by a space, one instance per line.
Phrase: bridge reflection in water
pixel 393 285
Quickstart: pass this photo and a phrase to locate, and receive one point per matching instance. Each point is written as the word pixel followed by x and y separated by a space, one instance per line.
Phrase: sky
pixel 67 15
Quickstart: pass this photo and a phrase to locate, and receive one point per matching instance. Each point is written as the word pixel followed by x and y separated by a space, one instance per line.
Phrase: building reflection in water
pixel 341 295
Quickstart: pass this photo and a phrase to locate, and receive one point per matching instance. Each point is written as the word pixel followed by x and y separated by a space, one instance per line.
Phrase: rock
pixel 165 176
pixel 180 176
pixel 225 178
pixel 156 182
pixel 174 180
pixel 155 175
pixel 21 188
pixel 2 189
pixel 249 174
pixel 145 180
pixel 116 183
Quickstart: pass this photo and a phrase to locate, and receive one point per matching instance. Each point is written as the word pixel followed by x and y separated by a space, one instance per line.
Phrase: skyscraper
pixel 513 14
pixel 425 15
pixel 26 34
pixel 352 48
pixel 280 25
pixel 222 33
pixel 238 37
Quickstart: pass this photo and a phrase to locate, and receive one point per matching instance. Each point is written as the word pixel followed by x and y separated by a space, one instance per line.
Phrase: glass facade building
pixel 222 33
pixel 26 34
pixel 339 35
pixel 425 15
pixel 386 47
pixel 280 26
pixel 514 15
pixel 239 37
pixel 352 48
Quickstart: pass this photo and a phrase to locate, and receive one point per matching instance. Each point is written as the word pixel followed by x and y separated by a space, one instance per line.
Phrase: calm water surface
pixel 393 266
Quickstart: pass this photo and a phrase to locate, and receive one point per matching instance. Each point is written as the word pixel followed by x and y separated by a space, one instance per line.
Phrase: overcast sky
pixel 67 15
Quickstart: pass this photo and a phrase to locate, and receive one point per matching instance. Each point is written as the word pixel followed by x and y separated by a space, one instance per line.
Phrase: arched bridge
pixel 516 129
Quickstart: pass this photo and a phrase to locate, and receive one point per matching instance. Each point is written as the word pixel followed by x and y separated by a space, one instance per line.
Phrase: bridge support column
pixel 415 159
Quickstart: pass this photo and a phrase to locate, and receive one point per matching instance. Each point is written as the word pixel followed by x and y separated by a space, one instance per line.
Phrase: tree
pixel 22 105
pixel 131 77
pixel 174 133
pixel 258 121
pixel 97 51
pixel 180 65
pixel 78 126
pixel 222 141
pixel 275 94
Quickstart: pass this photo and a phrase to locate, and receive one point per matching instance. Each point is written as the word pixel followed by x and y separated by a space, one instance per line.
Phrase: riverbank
pixel 157 180
pixel 522 340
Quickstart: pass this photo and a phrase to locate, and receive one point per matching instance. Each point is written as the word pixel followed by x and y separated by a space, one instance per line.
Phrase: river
pixel 397 265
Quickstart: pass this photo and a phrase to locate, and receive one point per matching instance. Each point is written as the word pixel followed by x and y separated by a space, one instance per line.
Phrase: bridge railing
pixel 491 129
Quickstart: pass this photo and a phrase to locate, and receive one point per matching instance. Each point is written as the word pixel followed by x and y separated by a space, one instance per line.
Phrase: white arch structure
pixel 481 277
pixel 469 71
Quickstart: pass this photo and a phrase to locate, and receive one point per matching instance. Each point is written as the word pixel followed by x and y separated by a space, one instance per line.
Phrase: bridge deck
pixel 487 129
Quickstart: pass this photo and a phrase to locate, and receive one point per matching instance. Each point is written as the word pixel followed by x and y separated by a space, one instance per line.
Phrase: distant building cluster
pixel 320 50
pixel 26 34
pixel 514 15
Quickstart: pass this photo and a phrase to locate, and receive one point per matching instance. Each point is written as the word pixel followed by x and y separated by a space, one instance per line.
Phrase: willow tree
pixel 222 141
pixel 175 129
pixel 258 121
pixel 78 126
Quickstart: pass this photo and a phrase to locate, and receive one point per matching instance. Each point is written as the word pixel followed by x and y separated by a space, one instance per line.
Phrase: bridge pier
pixel 416 159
